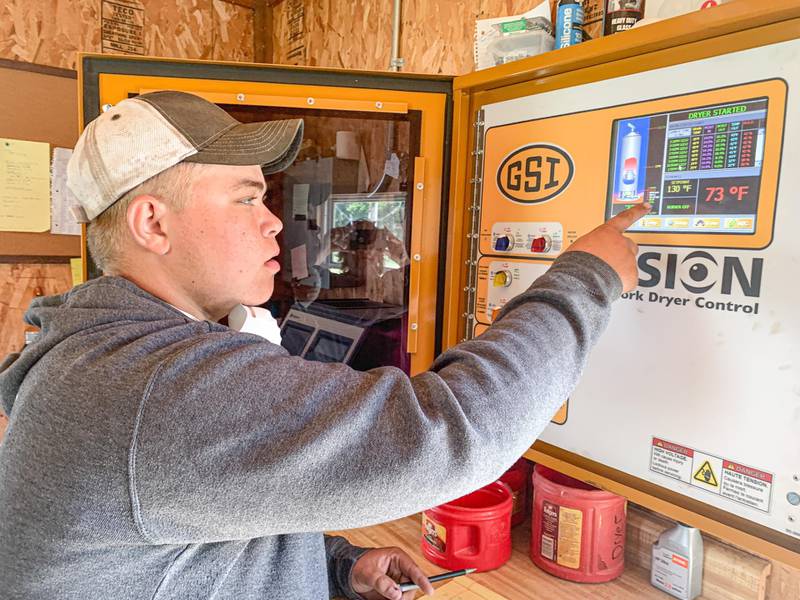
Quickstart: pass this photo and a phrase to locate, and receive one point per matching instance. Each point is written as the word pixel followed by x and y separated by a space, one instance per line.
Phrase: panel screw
pixel 417 257
pixel 240 97
pixel 379 105
pixel 420 186
pixel 310 101
pixel 414 327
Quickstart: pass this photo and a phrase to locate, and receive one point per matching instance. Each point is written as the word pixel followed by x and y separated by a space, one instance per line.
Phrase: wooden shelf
pixel 519 578
pixel 17 246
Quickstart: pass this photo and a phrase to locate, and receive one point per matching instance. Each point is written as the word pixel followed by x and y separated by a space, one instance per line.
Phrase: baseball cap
pixel 142 136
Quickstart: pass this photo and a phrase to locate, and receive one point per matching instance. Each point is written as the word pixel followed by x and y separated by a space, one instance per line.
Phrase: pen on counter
pixel 408 586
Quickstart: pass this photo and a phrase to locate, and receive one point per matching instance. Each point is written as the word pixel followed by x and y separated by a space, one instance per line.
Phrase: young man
pixel 154 453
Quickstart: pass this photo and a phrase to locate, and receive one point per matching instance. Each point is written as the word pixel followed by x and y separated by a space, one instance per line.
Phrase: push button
pixel 502 279
pixel 503 243
pixel 540 244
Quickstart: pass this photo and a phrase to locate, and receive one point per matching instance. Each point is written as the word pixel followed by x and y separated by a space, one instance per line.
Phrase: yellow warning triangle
pixel 706 474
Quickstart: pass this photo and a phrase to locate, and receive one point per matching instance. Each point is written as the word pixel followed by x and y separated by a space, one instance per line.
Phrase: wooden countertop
pixel 519 578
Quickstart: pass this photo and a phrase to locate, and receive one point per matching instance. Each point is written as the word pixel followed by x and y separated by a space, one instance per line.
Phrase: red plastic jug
pixel 472 532
pixel 577 531
pixel 517 478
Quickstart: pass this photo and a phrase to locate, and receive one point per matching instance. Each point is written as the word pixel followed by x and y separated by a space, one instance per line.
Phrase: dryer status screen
pixel 699 168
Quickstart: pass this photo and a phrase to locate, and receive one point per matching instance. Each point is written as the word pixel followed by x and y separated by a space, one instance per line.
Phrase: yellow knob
pixel 502 279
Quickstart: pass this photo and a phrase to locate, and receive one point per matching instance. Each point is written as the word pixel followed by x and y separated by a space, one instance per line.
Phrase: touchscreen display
pixel 329 347
pixel 699 168
pixel 294 337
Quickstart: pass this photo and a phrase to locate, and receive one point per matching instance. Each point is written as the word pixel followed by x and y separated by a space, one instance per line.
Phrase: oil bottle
pixel 677 566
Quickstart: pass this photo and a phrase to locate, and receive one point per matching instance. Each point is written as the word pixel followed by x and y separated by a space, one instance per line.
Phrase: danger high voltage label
pixel 729 479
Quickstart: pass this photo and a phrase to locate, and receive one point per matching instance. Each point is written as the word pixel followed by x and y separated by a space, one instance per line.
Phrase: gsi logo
pixel 535 173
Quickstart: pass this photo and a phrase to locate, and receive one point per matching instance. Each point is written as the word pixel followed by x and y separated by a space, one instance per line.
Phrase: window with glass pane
pixel 345 204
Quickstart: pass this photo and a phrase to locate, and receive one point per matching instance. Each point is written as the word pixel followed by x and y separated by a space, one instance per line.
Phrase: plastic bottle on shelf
pixel 569 23
pixel 622 15
pixel 677 565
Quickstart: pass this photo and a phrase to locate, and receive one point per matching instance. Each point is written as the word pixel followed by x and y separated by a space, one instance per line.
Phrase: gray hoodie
pixel 149 456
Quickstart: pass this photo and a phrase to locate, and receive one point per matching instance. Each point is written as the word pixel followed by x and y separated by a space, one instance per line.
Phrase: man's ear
pixel 145 222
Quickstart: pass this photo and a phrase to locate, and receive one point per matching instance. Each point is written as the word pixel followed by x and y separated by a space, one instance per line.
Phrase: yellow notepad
pixel 24 185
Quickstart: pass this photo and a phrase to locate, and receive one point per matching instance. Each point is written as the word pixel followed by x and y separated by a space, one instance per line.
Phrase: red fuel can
pixel 472 532
pixel 577 531
pixel 517 478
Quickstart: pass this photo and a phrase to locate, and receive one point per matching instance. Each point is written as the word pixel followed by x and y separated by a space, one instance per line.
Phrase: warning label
pixel 123 26
pixel 671 459
pixel 734 481
pixel 746 485
pixel 706 475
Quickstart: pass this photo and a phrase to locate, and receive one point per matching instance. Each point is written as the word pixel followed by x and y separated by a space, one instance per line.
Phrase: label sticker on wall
pixel 122 26
pixel 746 485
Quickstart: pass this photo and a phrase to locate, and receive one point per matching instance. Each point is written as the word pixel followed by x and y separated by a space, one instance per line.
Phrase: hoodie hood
pixel 99 303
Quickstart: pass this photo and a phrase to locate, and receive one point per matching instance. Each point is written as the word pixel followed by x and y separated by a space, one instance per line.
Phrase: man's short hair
pixel 108 232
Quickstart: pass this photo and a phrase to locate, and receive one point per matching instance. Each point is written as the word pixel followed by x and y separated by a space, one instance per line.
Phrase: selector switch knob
pixel 541 244
pixel 793 498
pixel 503 243
pixel 502 279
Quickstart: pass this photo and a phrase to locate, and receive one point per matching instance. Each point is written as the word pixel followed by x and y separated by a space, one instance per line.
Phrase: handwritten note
pixel 63 200
pixel 24 185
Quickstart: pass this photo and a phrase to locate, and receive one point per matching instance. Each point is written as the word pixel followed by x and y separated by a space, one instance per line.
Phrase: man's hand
pixel 377 571
pixel 608 244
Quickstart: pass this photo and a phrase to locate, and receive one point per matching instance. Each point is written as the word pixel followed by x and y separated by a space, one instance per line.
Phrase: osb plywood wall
pixel 19 284
pixel 50 32
pixel 436 34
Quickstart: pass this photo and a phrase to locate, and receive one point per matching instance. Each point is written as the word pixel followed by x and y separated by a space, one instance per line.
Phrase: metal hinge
pixel 474 232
